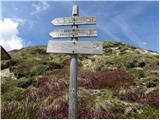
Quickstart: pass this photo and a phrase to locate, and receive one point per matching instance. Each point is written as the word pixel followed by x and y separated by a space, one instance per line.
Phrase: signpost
pixel 83 32
pixel 75 20
pixel 74 47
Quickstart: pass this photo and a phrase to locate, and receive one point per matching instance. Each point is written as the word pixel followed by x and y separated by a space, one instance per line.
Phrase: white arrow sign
pixel 82 32
pixel 77 47
pixel 76 20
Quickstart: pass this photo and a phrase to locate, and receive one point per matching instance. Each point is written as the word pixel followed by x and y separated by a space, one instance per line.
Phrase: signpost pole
pixel 74 47
pixel 73 73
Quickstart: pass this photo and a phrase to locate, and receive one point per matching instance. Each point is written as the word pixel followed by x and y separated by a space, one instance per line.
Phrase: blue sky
pixel 134 22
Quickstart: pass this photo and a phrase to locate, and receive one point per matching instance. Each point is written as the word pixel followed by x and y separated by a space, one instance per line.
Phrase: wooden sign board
pixel 76 21
pixel 81 32
pixel 77 47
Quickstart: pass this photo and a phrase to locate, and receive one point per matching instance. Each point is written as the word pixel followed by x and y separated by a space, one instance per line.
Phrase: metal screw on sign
pixel 74 47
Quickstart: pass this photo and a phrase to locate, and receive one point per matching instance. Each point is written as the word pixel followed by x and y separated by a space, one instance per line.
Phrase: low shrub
pixel 114 79
pixel 149 112
pixel 32 95
pixel 24 83
pixel 154 66
pixel 48 87
pixel 44 113
pixel 59 112
pixel 136 63
pixel 22 70
pixel 117 111
pixel 14 95
pixel 9 110
pixel 104 115
pixel 39 69
pixel 152 98
pixel 133 96
pixel 9 91
pixel 138 73
pixel 86 113
pixel 19 110
pixel 44 88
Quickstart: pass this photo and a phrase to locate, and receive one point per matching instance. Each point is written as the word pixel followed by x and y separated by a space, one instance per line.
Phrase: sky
pixel 28 23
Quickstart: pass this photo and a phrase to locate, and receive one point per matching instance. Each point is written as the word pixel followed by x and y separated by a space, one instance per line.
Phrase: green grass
pixel 9 91
pixel 137 72
pixel 103 94
pixel 45 64
pixel 149 112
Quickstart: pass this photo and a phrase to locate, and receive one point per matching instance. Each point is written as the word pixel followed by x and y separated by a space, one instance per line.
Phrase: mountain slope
pixel 121 83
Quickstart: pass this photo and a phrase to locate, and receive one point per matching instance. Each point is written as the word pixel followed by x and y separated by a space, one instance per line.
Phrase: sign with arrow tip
pixel 76 21
pixel 81 32
pixel 74 47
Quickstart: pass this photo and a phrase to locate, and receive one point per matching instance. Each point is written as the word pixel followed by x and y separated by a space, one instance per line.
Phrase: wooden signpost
pixel 74 47
pixel 83 32
pixel 75 20
pixel 77 47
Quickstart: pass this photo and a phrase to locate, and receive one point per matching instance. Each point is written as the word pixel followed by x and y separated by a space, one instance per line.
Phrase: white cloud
pixel 9 38
pixel 39 7
pixel 20 21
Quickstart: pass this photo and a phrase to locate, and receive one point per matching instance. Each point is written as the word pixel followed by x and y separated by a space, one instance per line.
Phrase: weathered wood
pixel 77 21
pixel 76 47
pixel 81 32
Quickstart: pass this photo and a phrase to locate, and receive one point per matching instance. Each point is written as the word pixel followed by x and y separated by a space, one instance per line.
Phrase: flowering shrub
pixel 17 110
pixel 45 88
pixel 59 112
pixel 154 66
pixel 105 115
pixel 133 96
pixel 86 113
pixel 58 73
pixel 31 95
pixel 114 79
pixel 9 110
pixel 44 113
pixel 49 87
pixel 62 111
pixel 152 98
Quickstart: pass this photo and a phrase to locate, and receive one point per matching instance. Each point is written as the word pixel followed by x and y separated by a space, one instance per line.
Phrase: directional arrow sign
pixel 82 32
pixel 77 21
pixel 77 47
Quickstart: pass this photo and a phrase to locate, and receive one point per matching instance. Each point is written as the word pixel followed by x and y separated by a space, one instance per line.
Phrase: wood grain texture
pixel 77 47
pixel 81 32
pixel 77 20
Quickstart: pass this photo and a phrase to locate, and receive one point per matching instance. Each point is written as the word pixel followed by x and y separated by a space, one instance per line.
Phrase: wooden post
pixel 73 73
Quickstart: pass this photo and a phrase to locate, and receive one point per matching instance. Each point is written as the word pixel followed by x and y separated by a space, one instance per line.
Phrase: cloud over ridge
pixel 9 38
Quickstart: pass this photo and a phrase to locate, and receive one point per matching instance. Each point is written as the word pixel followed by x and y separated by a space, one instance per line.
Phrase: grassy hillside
pixel 121 83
